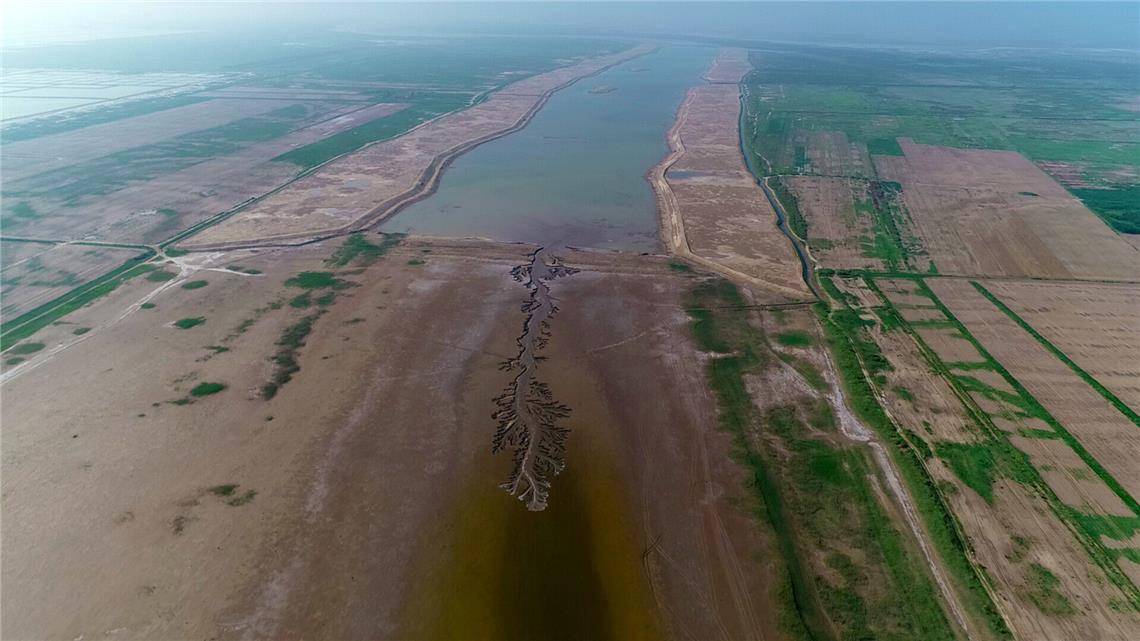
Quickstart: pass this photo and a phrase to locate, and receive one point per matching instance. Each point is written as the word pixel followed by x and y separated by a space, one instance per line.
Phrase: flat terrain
pixel 711 208
pixel 1097 326
pixel 1108 435
pixel 36 273
pixel 1022 523
pixel 994 213
pixel 273 503
pixel 837 230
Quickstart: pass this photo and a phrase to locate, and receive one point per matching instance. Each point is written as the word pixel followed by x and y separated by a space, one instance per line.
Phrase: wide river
pixel 576 174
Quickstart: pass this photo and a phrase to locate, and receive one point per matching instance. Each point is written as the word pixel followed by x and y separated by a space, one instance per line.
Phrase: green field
pixel 849 573
pixel 1049 107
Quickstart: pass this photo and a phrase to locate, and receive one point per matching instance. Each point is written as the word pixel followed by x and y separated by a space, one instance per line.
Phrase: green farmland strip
pixel 1085 376
pixel 36 319
pixel 377 130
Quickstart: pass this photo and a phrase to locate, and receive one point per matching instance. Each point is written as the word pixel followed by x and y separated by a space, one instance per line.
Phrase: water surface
pixel 576 174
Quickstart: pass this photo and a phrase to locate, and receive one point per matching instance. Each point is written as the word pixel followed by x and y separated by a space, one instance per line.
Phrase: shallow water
pixel 576 174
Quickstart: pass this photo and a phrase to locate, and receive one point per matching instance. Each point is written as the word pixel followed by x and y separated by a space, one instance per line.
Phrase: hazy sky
pixel 1042 24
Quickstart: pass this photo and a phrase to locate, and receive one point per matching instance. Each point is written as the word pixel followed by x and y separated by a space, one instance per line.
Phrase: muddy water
pixel 576 174
pixel 495 571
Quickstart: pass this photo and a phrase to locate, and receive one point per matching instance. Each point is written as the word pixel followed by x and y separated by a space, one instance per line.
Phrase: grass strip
pixel 30 322
pixel 1086 528
pixel 1064 358
pixel 944 529
pixel 1032 404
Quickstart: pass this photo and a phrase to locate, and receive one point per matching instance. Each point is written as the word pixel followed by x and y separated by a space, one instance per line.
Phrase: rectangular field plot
pixel 29 157
pixel 1107 434
pixel 1095 325
pixel 994 213
pixel 836 230
pixel 35 273
pixel 1013 530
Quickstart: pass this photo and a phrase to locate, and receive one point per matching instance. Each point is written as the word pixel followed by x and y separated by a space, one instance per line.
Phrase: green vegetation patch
pixel 794 338
pixel 679 267
pixel 1042 592
pixel 195 284
pixel 285 360
pixel 301 301
pixel 16 360
pixel 147 306
pixel 1119 207
pixel 26 348
pixel 229 493
pixel 318 280
pixel 190 321
pixel 160 276
pixel 415 262
pixel 358 250
pixel 796 221
pixel 206 389
pixel 80 331
pixel 978 465
pixel 884 147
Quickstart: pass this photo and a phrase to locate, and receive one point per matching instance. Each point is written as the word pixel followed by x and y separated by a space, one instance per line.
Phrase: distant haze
pixel 947 24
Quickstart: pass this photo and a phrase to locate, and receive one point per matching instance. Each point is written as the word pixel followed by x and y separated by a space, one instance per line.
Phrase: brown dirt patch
pixel 950 345
pixel 1106 433
pixel 1096 325
pixel 972 209
pixel 715 213
pixel 107 497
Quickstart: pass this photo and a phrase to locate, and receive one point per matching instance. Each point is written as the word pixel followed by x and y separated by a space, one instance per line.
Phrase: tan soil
pixel 1070 477
pixel 108 515
pixel 934 412
pixel 828 207
pixel 717 215
pixel 730 66
pixel 969 208
pixel 1106 433
pixel 949 344
pixel 913 314
pixel 1095 325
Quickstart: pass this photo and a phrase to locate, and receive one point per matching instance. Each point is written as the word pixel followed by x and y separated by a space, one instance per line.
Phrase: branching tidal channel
pixel 528 414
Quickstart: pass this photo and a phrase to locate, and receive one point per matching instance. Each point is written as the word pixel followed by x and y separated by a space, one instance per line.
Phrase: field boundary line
pixel 1062 356
pixel 1046 415
pixel 1094 548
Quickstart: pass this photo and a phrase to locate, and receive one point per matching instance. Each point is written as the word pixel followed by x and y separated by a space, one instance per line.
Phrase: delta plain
pixel 614 337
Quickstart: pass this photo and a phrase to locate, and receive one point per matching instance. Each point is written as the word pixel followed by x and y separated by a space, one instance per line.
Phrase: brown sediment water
pixel 493 570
